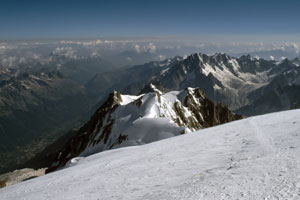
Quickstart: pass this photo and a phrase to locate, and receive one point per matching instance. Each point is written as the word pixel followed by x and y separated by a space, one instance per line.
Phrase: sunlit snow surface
pixel 254 158
pixel 153 120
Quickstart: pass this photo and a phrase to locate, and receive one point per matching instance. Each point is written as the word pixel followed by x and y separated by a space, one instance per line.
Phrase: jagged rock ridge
pixel 236 82
pixel 125 120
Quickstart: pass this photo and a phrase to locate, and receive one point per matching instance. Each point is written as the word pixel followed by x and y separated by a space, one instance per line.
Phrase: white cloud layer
pixel 14 53
pixel 65 51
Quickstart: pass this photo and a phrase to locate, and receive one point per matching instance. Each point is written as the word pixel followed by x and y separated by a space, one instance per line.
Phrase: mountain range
pixel 237 82
pixel 56 97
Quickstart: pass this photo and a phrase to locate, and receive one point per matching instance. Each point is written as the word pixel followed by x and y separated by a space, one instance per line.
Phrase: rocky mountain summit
pixel 125 120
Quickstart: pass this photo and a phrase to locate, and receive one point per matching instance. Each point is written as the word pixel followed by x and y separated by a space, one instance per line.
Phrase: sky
pixel 116 18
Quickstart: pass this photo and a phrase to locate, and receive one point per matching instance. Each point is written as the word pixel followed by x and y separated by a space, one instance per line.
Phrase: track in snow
pixel 254 158
pixel 261 136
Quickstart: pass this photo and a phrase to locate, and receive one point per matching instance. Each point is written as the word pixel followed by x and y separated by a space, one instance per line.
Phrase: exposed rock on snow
pixel 125 120
pixel 17 176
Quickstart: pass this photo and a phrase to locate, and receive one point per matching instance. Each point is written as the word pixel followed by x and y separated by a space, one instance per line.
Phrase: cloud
pixel 67 42
pixel 35 56
pixel 162 57
pixel 65 51
pixel 137 48
pixel 92 43
pixel 22 60
pixel 296 46
pixel 283 57
pixel 58 66
pixel 22 53
pixel 108 41
pixel 95 54
pixel 9 61
pixel 84 43
pixel 151 47
pixel 98 42
pixel 128 58
pixel 2 49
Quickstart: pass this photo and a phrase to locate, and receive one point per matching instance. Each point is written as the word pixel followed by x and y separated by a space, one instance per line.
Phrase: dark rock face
pixel 204 113
pixel 88 132
pixel 273 99
pixel 208 114
pixel 2 184
pixel 296 105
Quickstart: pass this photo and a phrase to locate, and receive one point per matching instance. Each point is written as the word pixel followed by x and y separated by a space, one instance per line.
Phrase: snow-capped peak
pixel 155 88
pixel 126 120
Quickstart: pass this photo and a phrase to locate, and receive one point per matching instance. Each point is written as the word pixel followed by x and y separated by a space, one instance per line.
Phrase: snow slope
pixel 125 120
pixel 254 158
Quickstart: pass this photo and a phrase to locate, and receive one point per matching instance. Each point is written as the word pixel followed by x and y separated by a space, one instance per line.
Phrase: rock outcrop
pixel 125 120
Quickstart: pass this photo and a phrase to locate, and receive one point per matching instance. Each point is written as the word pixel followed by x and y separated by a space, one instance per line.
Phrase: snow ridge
pixel 126 120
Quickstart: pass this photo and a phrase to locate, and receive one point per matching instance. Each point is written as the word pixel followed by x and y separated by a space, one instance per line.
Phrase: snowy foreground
pixel 254 158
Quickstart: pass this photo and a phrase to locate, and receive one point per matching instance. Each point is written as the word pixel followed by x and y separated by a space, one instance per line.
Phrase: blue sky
pixel 87 18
